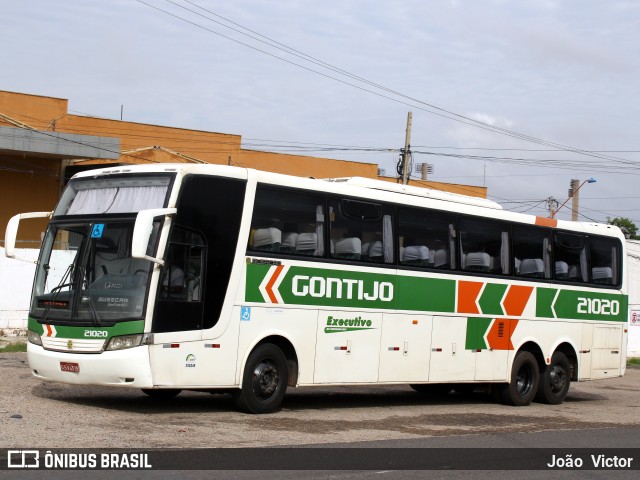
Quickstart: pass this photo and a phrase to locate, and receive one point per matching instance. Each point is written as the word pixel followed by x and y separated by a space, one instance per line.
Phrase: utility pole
pixel 552 206
pixel 574 193
pixel 406 153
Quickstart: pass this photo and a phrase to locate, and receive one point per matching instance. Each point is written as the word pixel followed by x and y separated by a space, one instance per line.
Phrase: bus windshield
pixel 86 274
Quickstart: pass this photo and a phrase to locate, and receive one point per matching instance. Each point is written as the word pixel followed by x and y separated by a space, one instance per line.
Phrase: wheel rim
pixel 265 379
pixel 524 380
pixel 557 378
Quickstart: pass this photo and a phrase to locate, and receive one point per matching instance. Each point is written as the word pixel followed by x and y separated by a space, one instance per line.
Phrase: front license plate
pixel 70 367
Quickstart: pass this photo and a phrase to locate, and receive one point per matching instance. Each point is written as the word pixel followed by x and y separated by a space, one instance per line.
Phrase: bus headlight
pixel 125 341
pixel 34 337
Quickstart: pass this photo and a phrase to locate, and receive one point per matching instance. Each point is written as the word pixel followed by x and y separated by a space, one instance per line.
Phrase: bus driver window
pixel 181 275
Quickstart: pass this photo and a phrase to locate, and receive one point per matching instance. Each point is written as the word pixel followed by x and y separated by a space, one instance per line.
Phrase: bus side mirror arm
pixel 142 232
pixel 11 234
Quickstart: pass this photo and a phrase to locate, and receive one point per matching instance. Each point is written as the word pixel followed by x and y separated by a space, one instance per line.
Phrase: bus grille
pixel 72 345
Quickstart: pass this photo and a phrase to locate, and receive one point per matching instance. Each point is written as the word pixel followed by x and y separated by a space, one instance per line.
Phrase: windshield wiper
pixel 57 289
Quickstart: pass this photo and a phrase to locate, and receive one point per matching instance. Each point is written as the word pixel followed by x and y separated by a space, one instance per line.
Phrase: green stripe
pixel 426 294
pixel 544 301
pixel 348 288
pixel 255 276
pixel 491 297
pixel 476 330
pixel 122 328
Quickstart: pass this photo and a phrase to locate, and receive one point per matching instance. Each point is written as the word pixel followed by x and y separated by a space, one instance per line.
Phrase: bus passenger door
pixel 347 347
pixel 450 360
pixel 405 348
pixel 177 355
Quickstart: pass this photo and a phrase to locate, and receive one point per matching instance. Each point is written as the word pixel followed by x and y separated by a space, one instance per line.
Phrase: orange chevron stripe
pixel 499 336
pixel 546 222
pixel 516 300
pixel 467 294
pixel 49 331
pixel 272 281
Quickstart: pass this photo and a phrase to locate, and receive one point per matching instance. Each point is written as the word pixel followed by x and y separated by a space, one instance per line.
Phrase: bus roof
pixel 475 205
pixel 416 191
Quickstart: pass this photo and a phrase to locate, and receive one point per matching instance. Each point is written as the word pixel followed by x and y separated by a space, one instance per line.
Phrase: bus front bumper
pixel 127 368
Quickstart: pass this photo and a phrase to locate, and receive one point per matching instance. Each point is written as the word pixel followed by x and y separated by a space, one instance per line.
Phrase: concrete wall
pixel 16 278
pixel 633 274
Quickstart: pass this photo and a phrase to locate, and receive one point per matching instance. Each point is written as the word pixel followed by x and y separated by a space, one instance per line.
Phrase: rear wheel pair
pixel 555 380
pixel 528 383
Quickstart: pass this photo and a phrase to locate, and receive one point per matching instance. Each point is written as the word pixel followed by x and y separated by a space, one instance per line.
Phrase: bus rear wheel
pixel 525 378
pixel 264 382
pixel 555 380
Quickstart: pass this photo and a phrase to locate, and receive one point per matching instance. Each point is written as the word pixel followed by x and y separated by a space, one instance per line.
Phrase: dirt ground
pixel 51 415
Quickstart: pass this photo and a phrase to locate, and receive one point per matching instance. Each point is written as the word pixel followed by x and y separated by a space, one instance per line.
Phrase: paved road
pixel 523 444
pixel 44 415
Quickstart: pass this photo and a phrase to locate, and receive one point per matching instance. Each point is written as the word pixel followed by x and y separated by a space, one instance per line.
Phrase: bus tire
pixel 438 389
pixel 525 378
pixel 264 382
pixel 162 393
pixel 555 380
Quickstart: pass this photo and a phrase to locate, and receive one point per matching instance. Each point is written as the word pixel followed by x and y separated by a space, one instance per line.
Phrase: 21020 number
pixel 598 306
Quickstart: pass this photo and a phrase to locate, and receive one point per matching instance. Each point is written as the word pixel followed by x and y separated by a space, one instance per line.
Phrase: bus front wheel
pixel 264 381
pixel 555 380
pixel 525 378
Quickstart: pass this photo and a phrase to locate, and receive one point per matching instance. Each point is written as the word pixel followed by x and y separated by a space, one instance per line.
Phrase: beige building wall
pixel 208 147
pixel 303 166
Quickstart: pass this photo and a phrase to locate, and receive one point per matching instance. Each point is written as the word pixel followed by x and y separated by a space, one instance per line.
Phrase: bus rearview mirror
pixel 11 233
pixel 142 232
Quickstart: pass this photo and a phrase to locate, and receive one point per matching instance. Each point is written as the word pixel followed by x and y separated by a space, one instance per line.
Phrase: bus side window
pixel 287 221
pixel 484 246
pixel 361 231
pixel 425 238
pixel 531 252
pixel 604 260
pixel 570 249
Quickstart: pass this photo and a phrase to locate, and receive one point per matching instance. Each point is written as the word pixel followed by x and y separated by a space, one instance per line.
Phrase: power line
pixel 549 163
pixel 53 135
pixel 439 111
pixel 531 208
pixel 525 149
pixel 311 148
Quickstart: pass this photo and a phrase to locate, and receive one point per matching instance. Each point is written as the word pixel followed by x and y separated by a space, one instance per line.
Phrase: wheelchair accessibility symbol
pixel 245 314
pixel 98 228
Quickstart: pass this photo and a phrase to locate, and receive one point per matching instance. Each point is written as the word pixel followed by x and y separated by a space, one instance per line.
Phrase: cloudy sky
pixel 305 76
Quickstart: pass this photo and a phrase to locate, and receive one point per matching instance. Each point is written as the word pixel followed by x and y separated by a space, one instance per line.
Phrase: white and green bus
pixel 215 278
